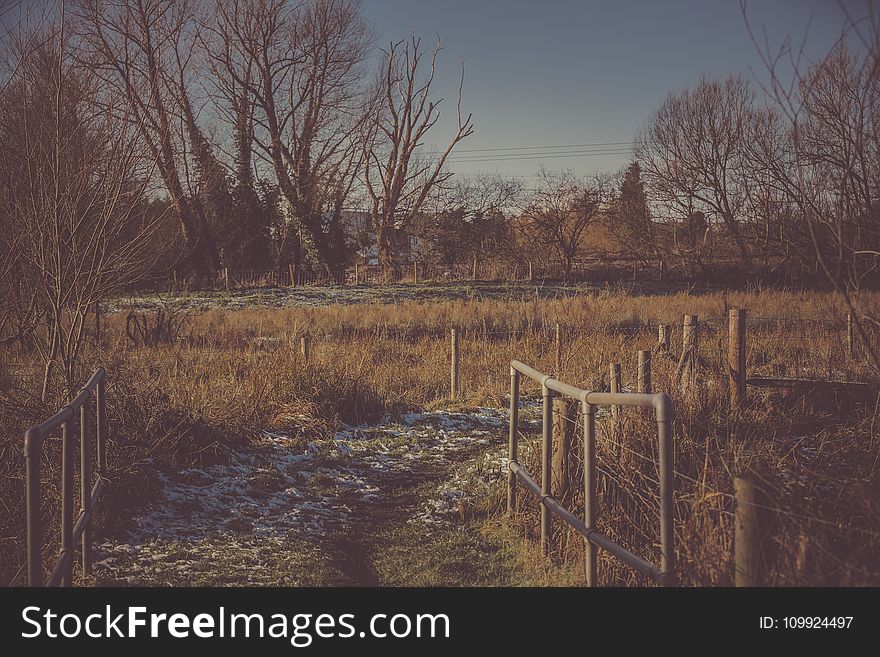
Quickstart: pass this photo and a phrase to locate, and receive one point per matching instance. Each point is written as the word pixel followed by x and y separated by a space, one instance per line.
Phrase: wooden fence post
pixel 226 277
pixel 644 373
pixel 850 342
pixel 557 344
pixel 736 357
pixel 564 420
pixel 614 374
pixel 97 324
pixel 531 276
pixel 663 337
pixel 415 274
pixel 751 533
pixel 474 275
pixel 453 374
pixel 686 370
pixel 305 346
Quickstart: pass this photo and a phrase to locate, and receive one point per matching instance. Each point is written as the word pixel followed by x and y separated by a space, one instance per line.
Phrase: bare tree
pixel 75 181
pixel 397 175
pixel 559 213
pixel 142 51
pixel 301 65
pixel 693 152
pixel 471 218
pixel 831 114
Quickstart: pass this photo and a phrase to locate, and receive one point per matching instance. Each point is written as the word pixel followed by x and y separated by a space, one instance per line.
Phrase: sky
pixel 556 72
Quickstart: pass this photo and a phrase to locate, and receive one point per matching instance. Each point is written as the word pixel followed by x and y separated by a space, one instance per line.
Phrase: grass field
pixel 235 461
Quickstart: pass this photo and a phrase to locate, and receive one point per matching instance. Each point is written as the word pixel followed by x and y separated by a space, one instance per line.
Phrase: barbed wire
pixel 775 509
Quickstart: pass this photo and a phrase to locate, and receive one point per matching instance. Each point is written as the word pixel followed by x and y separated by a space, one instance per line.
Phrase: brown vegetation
pixel 231 374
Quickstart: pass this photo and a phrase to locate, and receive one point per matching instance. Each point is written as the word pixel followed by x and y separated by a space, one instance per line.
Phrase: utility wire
pixel 529 156
pixel 533 148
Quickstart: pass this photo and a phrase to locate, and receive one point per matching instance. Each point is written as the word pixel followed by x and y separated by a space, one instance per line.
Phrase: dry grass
pixel 233 373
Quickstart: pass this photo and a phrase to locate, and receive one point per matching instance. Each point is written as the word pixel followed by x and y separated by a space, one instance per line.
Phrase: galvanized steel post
pixel 663 409
pixel 546 456
pixel 33 443
pixel 101 424
pixel 513 440
pixel 85 455
pixel 67 548
pixel 589 412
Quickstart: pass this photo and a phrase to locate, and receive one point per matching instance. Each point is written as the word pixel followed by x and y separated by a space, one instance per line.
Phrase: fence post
pixel 305 346
pixel 751 533
pixel 226 277
pixel 97 324
pixel 663 337
pixel 513 440
pixel 85 481
pixel 614 376
pixel 453 373
pixel 474 276
pixel 557 344
pixel 644 380
pixel 292 273
pixel 850 342
pixel 67 548
pixel 531 276
pixel 546 469
pixel 736 357
pixel 101 423
pixel 356 278
pixel 589 412
pixel 663 410
pixel 415 274
pixel 33 442
pixel 686 370
pixel 564 420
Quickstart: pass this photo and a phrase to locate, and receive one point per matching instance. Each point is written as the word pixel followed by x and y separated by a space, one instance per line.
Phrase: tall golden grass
pixel 233 373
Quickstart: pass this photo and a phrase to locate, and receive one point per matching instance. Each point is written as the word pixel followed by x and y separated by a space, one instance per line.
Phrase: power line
pixel 539 156
pixel 532 148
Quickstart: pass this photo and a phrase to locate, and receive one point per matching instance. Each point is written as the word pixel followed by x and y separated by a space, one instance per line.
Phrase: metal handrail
pixel 550 387
pixel 62 572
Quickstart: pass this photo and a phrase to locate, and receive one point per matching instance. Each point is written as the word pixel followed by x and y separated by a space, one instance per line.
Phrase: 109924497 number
pixel 816 622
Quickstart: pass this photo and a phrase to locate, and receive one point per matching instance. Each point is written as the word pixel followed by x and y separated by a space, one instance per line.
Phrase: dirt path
pixel 377 505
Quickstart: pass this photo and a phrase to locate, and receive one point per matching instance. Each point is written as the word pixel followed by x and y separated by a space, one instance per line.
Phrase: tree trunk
pixel 386 252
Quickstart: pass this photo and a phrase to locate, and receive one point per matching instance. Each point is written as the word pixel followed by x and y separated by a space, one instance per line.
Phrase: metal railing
pixel 589 400
pixel 62 572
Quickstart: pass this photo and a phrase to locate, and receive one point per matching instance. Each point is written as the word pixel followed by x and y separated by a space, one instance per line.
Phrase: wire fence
pixel 593 269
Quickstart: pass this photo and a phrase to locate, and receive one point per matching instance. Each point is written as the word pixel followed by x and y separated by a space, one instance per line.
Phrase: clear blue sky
pixel 574 72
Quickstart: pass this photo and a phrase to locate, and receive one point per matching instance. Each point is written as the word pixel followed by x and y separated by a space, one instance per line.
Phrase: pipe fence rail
pixel 589 400
pixel 80 531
